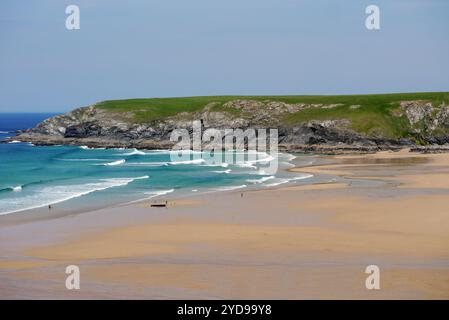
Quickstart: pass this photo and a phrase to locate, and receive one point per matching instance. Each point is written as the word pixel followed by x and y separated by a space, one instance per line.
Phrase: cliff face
pixel 411 124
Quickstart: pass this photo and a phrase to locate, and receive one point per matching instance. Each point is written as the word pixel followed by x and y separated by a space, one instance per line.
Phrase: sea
pixel 81 178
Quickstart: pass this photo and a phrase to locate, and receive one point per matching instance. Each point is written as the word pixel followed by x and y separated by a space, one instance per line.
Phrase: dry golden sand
pixel 308 241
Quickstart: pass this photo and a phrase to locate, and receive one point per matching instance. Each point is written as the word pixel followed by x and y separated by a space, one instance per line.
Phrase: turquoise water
pixel 35 177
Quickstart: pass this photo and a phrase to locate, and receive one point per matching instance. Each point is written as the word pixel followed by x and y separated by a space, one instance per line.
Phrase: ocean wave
pixel 195 161
pixel 261 180
pixel 154 194
pixel 134 152
pixel 14 141
pixel 146 164
pixel 26 185
pixel 115 163
pixel 223 171
pixel 81 159
pixel 264 160
pixel 159 151
pixel 305 176
pixel 4 132
pixel 246 165
pixel 231 188
pixel 223 164
pixel 185 151
pixel 90 148
pixel 17 189
pixel 12 189
pixel 57 194
pixel 287 180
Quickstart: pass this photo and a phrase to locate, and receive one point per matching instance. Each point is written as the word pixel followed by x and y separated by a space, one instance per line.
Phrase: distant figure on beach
pixel 49 207
pixel 241 195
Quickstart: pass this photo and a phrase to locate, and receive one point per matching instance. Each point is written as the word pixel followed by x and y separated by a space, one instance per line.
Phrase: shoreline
pixel 326 149
pixel 66 207
pixel 221 245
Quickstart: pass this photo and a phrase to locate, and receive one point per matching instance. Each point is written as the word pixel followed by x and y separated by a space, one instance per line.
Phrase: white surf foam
pixel 89 148
pixel 76 160
pixel 146 164
pixel 134 152
pixel 195 161
pixel 223 171
pixel 14 141
pixel 231 188
pixel 264 160
pixel 246 165
pixel 115 163
pixel 154 194
pixel 57 194
pixel 305 176
pixel 17 189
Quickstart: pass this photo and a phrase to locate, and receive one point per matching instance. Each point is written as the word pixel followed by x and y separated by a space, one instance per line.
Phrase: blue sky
pixel 149 48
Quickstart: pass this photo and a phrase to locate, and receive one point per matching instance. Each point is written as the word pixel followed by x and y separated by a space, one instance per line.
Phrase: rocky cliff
pixel 330 127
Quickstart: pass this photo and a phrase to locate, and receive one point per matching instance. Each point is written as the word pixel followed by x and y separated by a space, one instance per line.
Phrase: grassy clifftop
pixel 378 114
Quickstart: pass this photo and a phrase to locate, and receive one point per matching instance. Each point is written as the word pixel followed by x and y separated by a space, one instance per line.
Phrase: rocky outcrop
pixel 97 127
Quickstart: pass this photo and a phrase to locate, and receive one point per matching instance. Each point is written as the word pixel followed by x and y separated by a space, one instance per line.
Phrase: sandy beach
pixel 389 209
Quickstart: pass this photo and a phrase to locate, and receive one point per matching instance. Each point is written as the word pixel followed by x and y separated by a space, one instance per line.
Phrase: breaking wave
pixel 231 188
pixel 223 171
pixel 154 194
pixel 89 148
pixel 195 161
pixel 261 180
pixel 115 163
pixel 134 152
pixel 57 194
pixel 13 189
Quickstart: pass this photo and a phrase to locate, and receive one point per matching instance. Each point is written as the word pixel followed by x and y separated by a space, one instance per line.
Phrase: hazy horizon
pixel 156 49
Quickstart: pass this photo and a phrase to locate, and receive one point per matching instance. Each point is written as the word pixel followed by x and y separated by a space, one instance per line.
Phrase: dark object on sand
pixel 159 204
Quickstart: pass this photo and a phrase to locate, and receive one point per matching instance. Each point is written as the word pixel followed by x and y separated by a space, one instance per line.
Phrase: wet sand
pixel 296 242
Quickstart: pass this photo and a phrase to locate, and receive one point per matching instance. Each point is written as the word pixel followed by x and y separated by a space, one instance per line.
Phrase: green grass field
pixel 374 116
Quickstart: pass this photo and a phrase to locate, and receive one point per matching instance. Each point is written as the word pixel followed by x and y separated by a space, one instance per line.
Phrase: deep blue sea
pixel 70 176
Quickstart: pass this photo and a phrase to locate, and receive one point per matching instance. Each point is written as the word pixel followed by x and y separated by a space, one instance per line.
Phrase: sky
pixel 173 48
